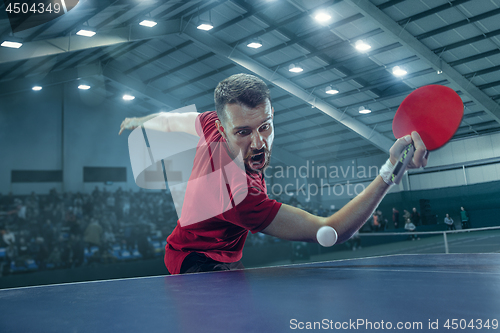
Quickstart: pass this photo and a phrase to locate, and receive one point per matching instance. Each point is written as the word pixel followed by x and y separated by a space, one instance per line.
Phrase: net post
pixel 445 243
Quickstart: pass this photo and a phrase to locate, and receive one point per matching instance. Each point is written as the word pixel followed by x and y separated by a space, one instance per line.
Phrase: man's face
pixel 251 132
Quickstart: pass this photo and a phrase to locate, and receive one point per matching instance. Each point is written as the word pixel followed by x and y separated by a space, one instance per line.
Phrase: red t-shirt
pixel 220 205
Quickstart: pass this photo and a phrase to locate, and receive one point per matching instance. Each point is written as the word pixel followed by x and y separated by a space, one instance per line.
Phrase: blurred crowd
pixel 64 230
pixel 379 222
pixel 67 229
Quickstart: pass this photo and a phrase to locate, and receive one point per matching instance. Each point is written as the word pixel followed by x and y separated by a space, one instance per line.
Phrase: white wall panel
pixel 495 142
pixel 467 150
pixel 490 173
pixel 481 174
pixel 472 150
pixel 485 146
pixel 497 168
pixel 458 176
pixel 415 183
pixel 458 152
pixel 437 180
pixel 451 177
pixel 461 152
pixel 440 157
pixel 474 175
pixel 418 182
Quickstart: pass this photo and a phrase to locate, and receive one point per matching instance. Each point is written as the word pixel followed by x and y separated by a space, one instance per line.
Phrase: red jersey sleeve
pixel 205 124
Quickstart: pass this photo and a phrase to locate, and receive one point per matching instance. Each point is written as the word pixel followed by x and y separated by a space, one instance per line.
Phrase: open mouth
pixel 257 161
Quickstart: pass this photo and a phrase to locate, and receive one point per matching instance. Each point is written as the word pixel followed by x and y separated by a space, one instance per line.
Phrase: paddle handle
pixel 402 163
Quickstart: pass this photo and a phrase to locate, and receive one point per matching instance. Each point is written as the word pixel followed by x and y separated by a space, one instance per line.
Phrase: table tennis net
pixel 478 240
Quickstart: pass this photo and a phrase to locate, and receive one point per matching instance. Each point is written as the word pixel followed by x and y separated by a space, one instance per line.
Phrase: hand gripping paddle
pixel 434 112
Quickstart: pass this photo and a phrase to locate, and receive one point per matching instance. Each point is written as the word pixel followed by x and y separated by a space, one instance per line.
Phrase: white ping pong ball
pixel 326 236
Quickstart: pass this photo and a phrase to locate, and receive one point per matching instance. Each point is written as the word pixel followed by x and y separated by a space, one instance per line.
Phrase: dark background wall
pixel 61 128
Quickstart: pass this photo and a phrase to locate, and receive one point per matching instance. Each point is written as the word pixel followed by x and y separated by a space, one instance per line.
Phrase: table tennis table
pixel 407 292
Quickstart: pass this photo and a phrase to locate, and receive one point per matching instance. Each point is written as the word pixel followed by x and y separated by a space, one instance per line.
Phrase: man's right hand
pixel 419 157
pixel 129 124
pixel 163 121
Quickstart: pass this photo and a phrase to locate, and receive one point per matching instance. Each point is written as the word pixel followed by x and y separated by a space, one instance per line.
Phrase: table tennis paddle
pixel 433 111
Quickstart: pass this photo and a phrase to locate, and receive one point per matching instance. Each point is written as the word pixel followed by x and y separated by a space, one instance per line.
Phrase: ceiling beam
pixel 337 152
pixel 459 24
pixel 414 45
pixel 316 137
pixel 286 157
pixel 431 11
pixel 219 47
pixel 71 43
pixel 138 87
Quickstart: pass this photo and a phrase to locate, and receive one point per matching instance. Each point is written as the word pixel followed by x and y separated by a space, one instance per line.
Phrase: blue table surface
pixel 382 290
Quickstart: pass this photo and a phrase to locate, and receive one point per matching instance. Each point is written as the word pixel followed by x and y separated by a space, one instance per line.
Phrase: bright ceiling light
pixel 205 25
pixel 12 45
pixel 331 90
pixel 86 33
pixel 322 17
pixel 84 87
pixel 255 43
pixel 148 23
pixel 398 71
pixel 127 97
pixel 364 110
pixel 295 69
pixel 37 88
pixel 362 46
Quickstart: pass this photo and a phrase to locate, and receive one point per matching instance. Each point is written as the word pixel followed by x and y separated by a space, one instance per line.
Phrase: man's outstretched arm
pixel 295 224
pixel 163 121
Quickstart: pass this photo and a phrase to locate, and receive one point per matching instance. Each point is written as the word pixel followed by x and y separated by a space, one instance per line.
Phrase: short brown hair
pixel 243 89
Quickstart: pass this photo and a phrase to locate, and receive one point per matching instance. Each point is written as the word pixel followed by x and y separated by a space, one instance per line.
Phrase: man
pixel 375 222
pixel 415 217
pixel 381 220
pixel 449 222
pixel 464 216
pixel 395 217
pixel 243 126
pixel 410 227
pixel 93 233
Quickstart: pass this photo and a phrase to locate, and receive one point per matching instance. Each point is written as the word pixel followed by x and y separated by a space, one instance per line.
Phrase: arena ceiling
pixel 173 64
